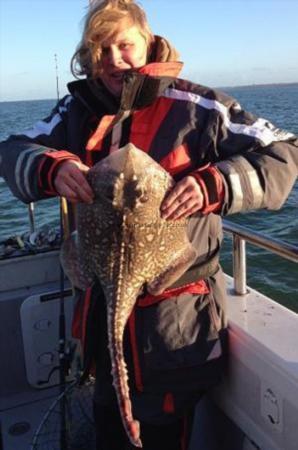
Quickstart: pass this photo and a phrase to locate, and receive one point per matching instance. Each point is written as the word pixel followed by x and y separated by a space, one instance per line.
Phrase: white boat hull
pixel 255 407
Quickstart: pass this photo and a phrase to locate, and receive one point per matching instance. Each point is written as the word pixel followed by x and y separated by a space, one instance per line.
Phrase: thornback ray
pixel 80 276
pixel 125 243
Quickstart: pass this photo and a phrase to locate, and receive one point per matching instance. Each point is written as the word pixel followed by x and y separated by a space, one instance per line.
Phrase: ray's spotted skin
pixel 124 243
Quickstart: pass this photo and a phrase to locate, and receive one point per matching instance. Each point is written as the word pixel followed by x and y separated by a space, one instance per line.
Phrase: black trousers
pixel 110 434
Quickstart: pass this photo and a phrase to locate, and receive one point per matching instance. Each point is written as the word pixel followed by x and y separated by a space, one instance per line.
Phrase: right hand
pixel 70 182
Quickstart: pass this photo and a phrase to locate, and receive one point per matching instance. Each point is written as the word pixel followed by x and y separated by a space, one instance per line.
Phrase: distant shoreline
pixel 243 86
pixel 257 85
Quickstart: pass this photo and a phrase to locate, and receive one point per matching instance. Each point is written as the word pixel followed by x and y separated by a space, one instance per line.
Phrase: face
pixel 126 50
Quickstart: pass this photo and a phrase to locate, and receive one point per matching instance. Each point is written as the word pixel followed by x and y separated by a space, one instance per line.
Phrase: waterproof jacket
pixel 176 341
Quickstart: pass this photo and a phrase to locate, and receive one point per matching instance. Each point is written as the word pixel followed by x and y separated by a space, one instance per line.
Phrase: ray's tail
pixel 120 377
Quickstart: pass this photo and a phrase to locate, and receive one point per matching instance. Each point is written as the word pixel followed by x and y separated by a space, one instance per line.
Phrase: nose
pixel 114 56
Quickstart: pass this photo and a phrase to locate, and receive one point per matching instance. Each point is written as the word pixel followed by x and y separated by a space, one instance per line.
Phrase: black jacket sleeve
pixel 258 162
pixel 20 155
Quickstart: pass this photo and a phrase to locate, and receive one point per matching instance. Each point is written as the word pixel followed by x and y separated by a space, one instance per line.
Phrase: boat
pixel 255 406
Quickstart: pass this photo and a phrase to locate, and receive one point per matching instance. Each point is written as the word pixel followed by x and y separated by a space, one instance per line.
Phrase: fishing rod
pixel 31 204
pixel 64 231
pixel 64 361
pixel 57 77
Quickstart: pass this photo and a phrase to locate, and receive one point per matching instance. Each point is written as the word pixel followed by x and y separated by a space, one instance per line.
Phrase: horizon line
pixel 215 87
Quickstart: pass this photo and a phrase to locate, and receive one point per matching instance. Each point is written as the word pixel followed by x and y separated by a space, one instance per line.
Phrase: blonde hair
pixel 104 19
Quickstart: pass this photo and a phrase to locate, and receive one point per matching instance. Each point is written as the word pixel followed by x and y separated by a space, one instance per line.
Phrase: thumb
pixel 83 167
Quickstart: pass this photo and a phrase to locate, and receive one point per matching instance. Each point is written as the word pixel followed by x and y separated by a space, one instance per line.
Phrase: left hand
pixel 184 199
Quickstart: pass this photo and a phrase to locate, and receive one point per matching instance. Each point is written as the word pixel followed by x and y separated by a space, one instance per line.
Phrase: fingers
pixel 78 183
pixel 70 182
pixel 69 194
pixel 183 200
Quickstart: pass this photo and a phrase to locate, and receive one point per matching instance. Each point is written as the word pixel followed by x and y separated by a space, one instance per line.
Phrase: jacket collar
pixel 140 88
pixel 162 69
pixel 94 95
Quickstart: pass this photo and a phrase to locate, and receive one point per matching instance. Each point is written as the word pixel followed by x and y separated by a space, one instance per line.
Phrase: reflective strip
pixel 252 178
pixel 26 169
pixel 261 129
pixel 278 133
pixel 236 106
pixel 42 127
pixel 257 191
pixel 235 184
pixel 68 100
pixel 27 181
pixel 255 184
pixel 237 191
pixel 249 175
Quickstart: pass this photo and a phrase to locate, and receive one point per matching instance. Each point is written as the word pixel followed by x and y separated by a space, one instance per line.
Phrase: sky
pixel 221 42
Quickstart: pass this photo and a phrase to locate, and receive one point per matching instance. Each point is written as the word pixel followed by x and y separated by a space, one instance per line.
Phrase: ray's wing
pixel 76 270
pixel 174 270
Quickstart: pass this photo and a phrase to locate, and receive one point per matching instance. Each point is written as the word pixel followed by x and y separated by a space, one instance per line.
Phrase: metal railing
pixel 31 216
pixel 241 235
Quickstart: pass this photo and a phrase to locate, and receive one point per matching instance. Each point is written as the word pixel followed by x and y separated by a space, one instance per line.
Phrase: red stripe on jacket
pixel 211 183
pixel 147 121
pixel 197 287
pixel 177 160
pixel 168 403
pixel 95 140
pixel 52 160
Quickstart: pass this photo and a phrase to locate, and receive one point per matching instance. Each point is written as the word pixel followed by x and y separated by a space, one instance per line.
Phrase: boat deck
pixel 256 406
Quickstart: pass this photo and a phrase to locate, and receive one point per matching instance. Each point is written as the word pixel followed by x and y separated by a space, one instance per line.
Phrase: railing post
pixel 239 265
pixel 31 217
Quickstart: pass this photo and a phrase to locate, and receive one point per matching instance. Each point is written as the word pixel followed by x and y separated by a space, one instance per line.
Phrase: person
pixel 223 159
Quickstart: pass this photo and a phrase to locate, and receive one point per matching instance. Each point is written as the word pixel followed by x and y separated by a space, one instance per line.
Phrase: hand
pixel 184 199
pixel 70 182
